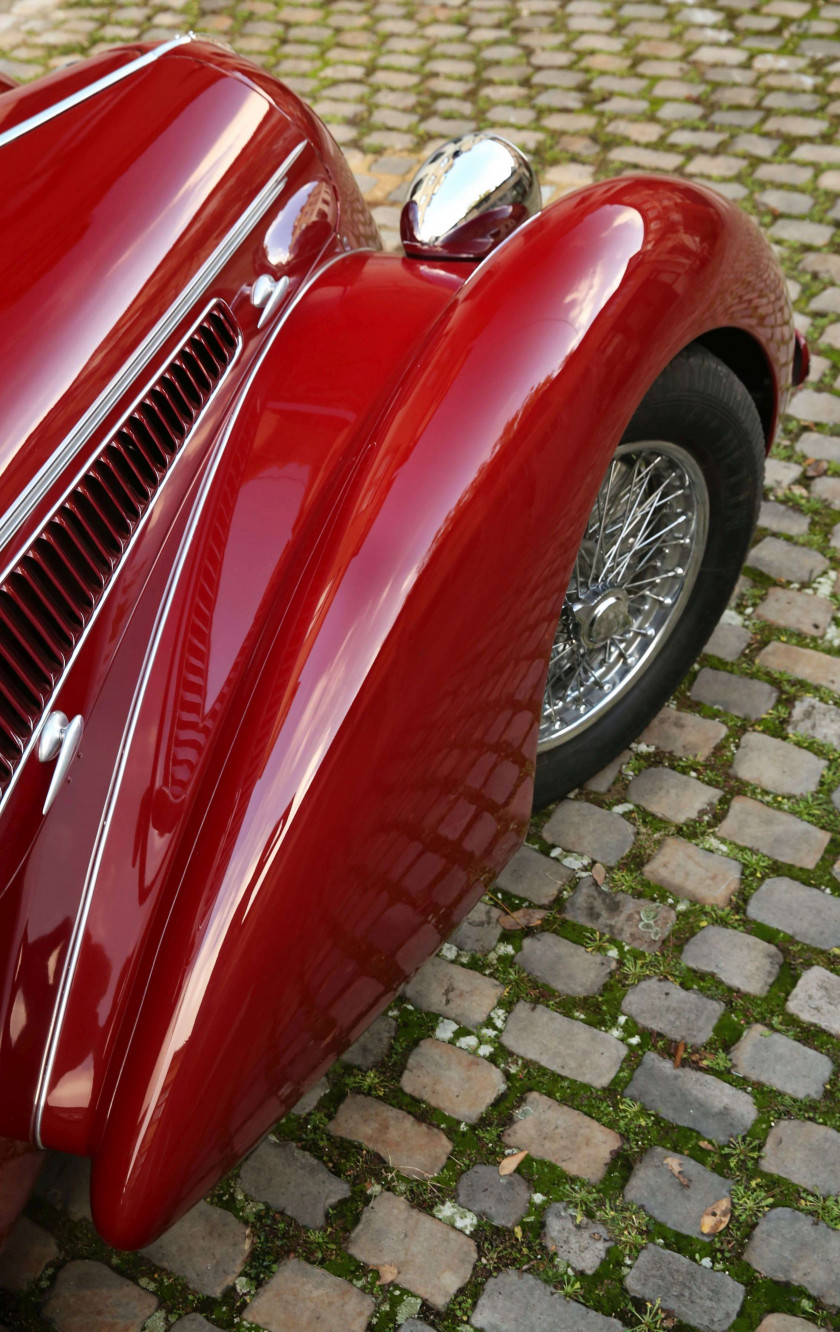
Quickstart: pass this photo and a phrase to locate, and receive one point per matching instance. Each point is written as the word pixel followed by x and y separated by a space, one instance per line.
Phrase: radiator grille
pixel 50 595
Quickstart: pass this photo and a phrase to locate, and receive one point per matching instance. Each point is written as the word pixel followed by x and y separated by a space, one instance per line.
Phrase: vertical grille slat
pixel 30 636
pixel 68 566
pixel 85 509
pixel 120 495
pixel 53 591
pixel 22 587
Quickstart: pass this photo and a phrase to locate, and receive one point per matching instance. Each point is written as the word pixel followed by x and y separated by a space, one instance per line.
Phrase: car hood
pixel 134 188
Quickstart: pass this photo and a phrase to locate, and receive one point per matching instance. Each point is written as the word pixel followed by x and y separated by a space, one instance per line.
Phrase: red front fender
pixel 372 767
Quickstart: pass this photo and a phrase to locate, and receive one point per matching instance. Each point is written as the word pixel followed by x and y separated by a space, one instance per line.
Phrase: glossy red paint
pixel 316 212
pixel 324 660
pixel 68 327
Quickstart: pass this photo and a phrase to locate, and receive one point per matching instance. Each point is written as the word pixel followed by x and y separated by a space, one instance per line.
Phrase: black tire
pixel 700 404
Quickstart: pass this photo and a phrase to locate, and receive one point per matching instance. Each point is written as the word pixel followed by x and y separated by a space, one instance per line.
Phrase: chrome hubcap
pixel 635 569
pixel 602 616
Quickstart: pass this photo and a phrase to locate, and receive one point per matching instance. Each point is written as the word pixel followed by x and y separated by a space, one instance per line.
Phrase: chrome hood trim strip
pixel 96 413
pixel 91 89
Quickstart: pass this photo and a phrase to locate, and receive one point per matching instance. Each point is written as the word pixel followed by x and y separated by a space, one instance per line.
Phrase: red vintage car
pixel 319 566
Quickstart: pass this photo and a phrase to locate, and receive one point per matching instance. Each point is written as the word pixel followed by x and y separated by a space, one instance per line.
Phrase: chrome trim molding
pixel 57 1020
pixel 96 413
pixel 91 89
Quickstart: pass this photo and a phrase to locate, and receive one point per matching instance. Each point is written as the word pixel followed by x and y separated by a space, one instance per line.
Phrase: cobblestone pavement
pixel 662 1042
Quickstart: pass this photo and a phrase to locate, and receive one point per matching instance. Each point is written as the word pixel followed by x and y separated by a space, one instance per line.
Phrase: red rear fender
pixel 365 671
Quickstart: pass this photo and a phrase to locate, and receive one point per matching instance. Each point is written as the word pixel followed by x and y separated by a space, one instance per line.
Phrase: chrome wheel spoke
pixel 637 562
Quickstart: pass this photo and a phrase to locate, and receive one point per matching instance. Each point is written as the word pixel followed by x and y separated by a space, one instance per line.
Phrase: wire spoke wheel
pixel 638 561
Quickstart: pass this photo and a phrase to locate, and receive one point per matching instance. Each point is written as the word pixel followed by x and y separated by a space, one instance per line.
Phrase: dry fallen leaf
pixel 816 468
pixel 508 1164
pixel 387 1272
pixel 674 1164
pixel 716 1217
pixel 598 874
pixel 708 1146
pixel 525 919
pixel 678 1054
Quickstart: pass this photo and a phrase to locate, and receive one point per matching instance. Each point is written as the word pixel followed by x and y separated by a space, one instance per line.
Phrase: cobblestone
pixel 533 876
pixel 566 1137
pixel 459 1083
pixel 302 1298
pixel 479 930
pixel 803 663
pixel 801 611
pixel 812 444
pixel 572 1049
pixel 575 1240
pixel 693 873
pixel 310 1098
pixel 672 795
pixel 432 1259
pixel 781 518
pixel 701 1297
pixel 776 765
pixel 415 1149
pixel 684 1015
pixel 683 733
pixel 805 913
pixel 675 1190
pixel 455 992
pixel 773 832
pixel 734 693
pixel 783 559
pixel 808 1154
pixel 513 1301
pixel 86 1293
pixel 579 826
pixel 27 1252
pixel 605 779
pixel 769 1057
pixel 784 1323
pixel 728 641
pixel 373 1044
pixel 565 966
pixel 694 1100
pixel 820 721
pixel 788 1246
pixel 635 921
pixel 292 1181
pixel 778 474
pixel 207 1247
pixel 502 1199
pixel 740 960
pixel 816 999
